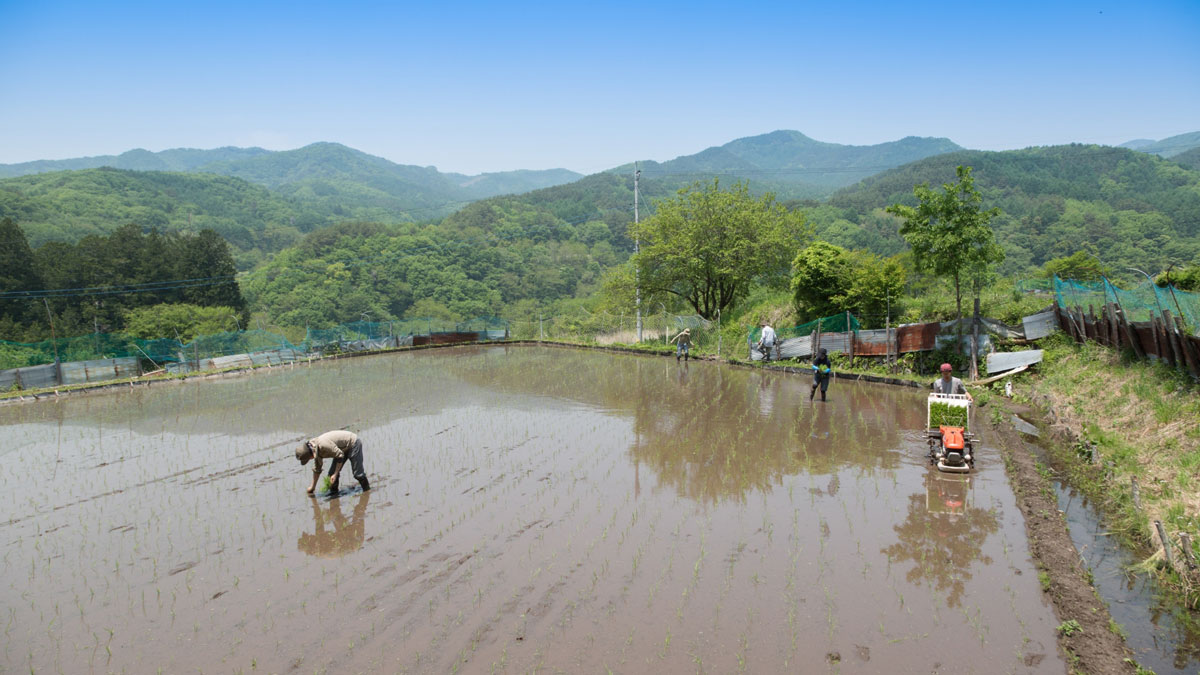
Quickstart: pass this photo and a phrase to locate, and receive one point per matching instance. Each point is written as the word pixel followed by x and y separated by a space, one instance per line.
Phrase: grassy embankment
pixel 1129 420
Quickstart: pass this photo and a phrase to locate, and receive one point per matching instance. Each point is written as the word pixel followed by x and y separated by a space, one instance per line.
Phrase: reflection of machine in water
pixel 342 536
pixel 947 494
pixel 943 535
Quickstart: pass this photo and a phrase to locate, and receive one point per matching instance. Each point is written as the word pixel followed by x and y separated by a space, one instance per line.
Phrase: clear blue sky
pixel 474 87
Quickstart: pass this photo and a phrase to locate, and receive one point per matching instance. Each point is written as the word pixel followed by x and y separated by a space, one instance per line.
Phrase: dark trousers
pixel 822 380
pixel 355 457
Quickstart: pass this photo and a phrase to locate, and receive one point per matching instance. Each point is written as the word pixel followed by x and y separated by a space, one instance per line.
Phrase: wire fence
pixel 106 356
pixel 1142 302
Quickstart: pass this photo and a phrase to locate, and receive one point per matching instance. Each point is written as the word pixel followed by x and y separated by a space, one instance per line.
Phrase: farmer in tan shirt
pixel 338 446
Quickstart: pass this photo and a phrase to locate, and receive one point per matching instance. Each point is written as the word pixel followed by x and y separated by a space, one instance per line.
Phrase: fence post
pixel 1173 336
pixel 1185 541
pixel 975 342
pixel 719 333
pixel 1162 535
pixel 850 339
pixel 1154 331
pixel 1131 333
pixel 1185 346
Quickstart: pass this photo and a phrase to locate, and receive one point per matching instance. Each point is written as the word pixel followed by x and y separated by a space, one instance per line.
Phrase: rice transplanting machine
pixel 951 445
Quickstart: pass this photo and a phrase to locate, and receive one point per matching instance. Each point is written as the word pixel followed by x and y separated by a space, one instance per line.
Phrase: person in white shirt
pixel 767 342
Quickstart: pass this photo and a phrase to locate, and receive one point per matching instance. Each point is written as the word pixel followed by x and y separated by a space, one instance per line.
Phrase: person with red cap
pixel 948 384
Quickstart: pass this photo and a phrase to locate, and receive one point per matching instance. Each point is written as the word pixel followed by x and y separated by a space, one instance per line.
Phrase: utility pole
pixel 54 341
pixel 637 286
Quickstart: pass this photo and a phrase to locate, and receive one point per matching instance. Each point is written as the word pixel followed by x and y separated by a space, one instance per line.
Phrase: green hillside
pixel 793 165
pixel 504 255
pixel 1127 207
pixel 333 177
pixel 1189 159
pixel 179 159
pixel 69 205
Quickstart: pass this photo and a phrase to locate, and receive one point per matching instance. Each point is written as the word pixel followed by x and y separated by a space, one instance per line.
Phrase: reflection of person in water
pixel 334 536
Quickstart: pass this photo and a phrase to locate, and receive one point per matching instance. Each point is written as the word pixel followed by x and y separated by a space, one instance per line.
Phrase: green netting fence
pixel 837 323
pixel 164 351
pixel 1140 303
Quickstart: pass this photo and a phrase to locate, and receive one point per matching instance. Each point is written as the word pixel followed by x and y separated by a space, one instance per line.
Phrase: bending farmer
pixel 683 343
pixel 822 372
pixel 337 446
pixel 948 384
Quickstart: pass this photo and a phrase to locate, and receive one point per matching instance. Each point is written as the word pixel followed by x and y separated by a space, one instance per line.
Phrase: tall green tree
pixel 949 232
pixel 17 273
pixel 706 245
pixel 820 275
pixel 207 256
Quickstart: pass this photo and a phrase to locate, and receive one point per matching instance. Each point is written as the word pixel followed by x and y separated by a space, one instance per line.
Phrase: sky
pixel 476 87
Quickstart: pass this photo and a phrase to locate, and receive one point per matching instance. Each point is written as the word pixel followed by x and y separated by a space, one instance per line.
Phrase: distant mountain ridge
pixel 792 164
pixel 326 169
pixel 1167 147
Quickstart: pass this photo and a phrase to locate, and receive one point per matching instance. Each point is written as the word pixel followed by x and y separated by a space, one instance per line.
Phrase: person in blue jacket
pixel 822 371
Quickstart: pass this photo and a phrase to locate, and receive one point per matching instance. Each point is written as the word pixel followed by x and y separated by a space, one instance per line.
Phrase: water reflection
pixel 334 536
pixel 713 433
pixel 943 535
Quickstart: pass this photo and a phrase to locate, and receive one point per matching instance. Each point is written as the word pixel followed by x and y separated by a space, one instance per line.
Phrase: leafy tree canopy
pixel 179 320
pixel 949 232
pixel 828 279
pixel 707 245
pixel 1079 266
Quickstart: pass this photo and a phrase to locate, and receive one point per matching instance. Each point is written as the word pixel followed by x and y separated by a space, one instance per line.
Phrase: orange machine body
pixel 952 438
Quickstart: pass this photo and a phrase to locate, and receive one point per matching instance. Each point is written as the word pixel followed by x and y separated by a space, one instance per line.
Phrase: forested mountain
pixel 1127 207
pixel 1167 147
pixel 512 182
pixel 67 206
pixel 504 255
pixel 333 175
pixel 791 164
pixel 179 159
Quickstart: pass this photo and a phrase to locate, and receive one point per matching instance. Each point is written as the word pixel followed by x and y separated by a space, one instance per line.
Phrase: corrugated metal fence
pixel 918 337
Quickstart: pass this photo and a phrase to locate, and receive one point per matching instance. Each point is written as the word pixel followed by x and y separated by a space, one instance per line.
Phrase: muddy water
pixel 533 508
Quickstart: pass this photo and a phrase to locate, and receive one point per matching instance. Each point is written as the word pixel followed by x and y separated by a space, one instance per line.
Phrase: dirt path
pixel 1093 647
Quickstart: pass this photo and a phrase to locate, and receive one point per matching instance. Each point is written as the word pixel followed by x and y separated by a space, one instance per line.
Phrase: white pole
pixel 637 285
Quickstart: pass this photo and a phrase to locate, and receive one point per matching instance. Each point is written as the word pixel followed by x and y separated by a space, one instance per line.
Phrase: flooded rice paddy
pixel 533 508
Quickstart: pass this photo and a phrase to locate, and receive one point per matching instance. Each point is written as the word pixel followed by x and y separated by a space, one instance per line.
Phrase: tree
pixel 17 273
pixel 707 245
pixel 820 275
pixel 178 320
pixel 828 279
pixel 205 256
pixel 949 233
pixel 1080 266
